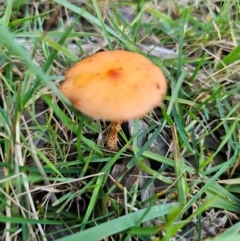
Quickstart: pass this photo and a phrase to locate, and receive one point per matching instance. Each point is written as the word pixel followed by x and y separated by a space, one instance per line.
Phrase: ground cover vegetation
pixel 176 173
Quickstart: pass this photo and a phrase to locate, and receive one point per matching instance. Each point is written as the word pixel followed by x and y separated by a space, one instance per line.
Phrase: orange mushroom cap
pixel 114 85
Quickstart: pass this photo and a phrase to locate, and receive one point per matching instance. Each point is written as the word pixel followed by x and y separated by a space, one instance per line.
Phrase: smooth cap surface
pixel 114 85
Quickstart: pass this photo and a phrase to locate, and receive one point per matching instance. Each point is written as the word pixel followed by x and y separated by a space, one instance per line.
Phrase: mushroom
pixel 116 86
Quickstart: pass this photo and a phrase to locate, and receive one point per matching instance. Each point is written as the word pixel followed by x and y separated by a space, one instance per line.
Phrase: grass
pixel 177 174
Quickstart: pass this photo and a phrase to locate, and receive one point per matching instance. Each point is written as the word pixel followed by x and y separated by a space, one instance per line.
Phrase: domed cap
pixel 115 85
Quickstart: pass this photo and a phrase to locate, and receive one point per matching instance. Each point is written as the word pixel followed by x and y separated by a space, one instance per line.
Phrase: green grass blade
pixel 120 224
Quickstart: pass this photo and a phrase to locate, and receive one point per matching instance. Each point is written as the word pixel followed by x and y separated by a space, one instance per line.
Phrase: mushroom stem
pixel 113 135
